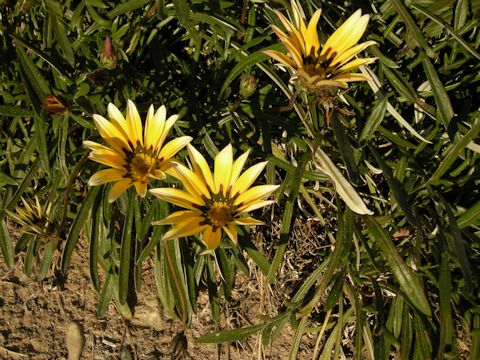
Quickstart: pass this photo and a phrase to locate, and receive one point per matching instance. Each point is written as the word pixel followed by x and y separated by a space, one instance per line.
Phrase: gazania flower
pixel 33 217
pixel 318 65
pixel 135 158
pixel 214 203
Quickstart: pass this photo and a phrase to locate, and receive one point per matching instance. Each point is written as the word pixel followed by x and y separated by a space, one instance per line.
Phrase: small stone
pixel 75 340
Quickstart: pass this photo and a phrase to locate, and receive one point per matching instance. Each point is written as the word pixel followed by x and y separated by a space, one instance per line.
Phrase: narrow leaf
pixel 408 280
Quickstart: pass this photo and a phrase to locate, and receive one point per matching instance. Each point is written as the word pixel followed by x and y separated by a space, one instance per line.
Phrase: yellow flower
pixel 134 158
pixel 215 202
pixel 33 218
pixel 317 65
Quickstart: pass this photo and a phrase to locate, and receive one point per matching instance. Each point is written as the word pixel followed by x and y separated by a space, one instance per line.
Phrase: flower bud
pixel 53 105
pixel 248 85
pixel 108 57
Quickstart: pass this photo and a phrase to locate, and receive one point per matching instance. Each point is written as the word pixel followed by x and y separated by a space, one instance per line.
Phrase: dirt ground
pixel 35 316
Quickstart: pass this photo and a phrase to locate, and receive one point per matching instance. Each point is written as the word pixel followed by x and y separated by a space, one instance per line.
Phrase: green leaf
pixel 61 35
pixel 126 7
pixel 32 250
pixel 47 259
pixel 105 295
pixel 408 280
pixel 33 75
pixel 454 152
pixel 97 231
pixel 24 185
pixel 126 250
pixel 444 106
pixel 412 27
pixel 41 140
pixel 77 227
pixel 287 218
pixel 6 246
pixel 374 120
pixel 15 111
pixel 345 147
pixel 239 334
pixel 400 195
pixel 470 217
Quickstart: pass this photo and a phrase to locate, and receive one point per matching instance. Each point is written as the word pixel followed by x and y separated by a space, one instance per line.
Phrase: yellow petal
pixel 247 178
pixel 134 124
pixel 211 238
pixel 118 189
pixel 110 133
pixel 350 53
pixel 254 194
pixel 141 187
pixel 96 146
pixel 108 157
pixel 347 34
pixel 223 169
pixel 311 35
pixel 200 167
pixel 147 132
pixel 192 182
pixel 188 227
pixel 287 24
pixel 282 58
pixel 254 206
pixel 105 176
pixel 298 17
pixel 294 37
pixel 176 197
pixel 168 126
pixel 349 77
pixel 231 231
pixel 117 119
pixel 238 167
pixel 177 217
pixel 174 146
pixel 247 221
pixel 154 130
pixel 356 63
pixel 294 52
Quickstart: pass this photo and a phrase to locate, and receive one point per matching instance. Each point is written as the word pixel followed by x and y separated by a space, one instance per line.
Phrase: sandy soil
pixel 35 317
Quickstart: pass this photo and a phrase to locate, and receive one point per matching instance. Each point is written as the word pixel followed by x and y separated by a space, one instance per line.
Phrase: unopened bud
pixel 108 57
pixel 248 85
pixel 53 104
